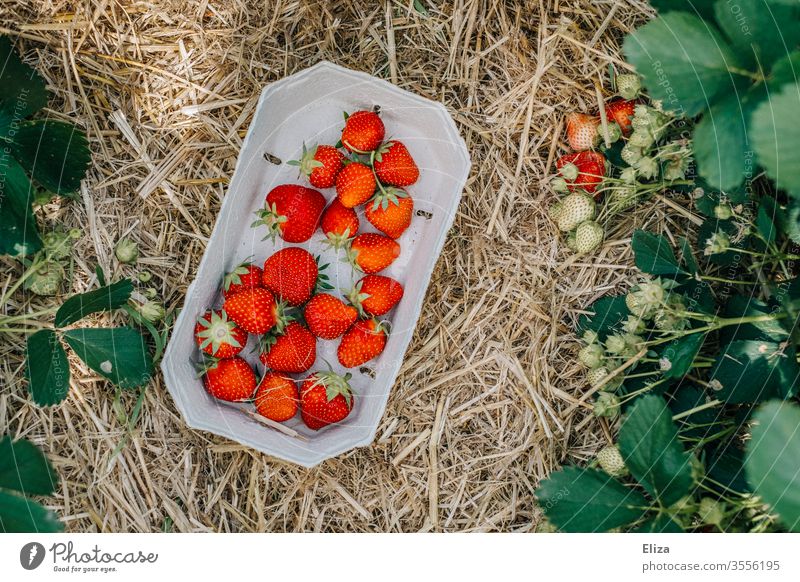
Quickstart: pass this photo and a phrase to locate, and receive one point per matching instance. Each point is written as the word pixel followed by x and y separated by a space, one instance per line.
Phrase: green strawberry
pixel 576 208
pixel 611 461
pixel 606 405
pixel 588 236
pixel 628 86
pixel 711 511
pixel 591 356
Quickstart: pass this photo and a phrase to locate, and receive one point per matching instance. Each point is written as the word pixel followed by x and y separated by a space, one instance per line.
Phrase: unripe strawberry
pixel 595 375
pixel 628 175
pixel 717 243
pixel 571 244
pixel 611 461
pixel 647 167
pixel 615 344
pixel 623 198
pixel 683 506
pixel 591 356
pixel 559 184
pixel 628 86
pixel 723 212
pixel 569 171
pixel 606 405
pixel 126 251
pixel 555 211
pixel 588 236
pixel 631 154
pixel 576 208
pixel 46 280
pixel 711 511
pixel 614 132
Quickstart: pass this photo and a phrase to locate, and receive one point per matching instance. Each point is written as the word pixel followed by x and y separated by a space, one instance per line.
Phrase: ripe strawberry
pixel 291 274
pixel 582 131
pixel 394 165
pixel 320 164
pixel 390 211
pixel 218 336
pixel 276 397
pixel 375 294
pixel 254 310
pixel 325 398
pixel 591 168
pixel 362 342
pixel 328 317
pixel 245 276
pixel 363 132
pixel 293 351
pixel 621 112
pixel 355 184
pixel 339 224
pixel 292 211
pixel 372 252
pixel 231 379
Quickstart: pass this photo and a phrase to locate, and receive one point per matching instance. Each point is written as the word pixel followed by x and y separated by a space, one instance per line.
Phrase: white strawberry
pixel 588 236
pixel 628 86
pixel 576 208
pixel 591 356
pixel 611 461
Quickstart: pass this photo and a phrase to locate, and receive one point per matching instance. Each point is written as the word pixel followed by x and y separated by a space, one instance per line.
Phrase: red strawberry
pixel 327 317
pixel 325 398
pixel 292 211
pixel 582 131
pixel 372 252
pixel 621 112
pixel 355 184
pixel 320 164
pixel 230 379
pixel 218 336
pixel 293 351
pixel 245 276
pixel 339 224
pixel 276 397
pixel 394 165
pixel 291 274
pixel 390 211
pixel 376 294
pixel 254 310
pixel 591 169
pixel 362 342
pixel 363 132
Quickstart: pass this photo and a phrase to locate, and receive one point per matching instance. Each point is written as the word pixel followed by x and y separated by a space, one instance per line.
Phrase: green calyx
pixel 356 298
pixel 339 241
pixel 269 217
pixel 46 280
pixel 385 196
pixel 323 281
pixel 235 276
pixel 307 163
pixel 217 330
pixel 335 385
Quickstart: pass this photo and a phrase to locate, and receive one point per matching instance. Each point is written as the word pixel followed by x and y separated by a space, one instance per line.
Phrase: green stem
pixel 22 278
pixel 728 281
pixel 691 411
pixel 25 316
pixel 22 330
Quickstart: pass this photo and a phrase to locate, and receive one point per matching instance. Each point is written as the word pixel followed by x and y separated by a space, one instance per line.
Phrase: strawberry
pixel 362 342
pixel 575 209
pixel 355 184
pixel 276 397
pixel 394 165
pixel 231 379
pixel 293 351
pixel 363 132
pixel 582 131
pixel 390 211
pixel 254 310
pixel 372 252
pixel 328 317
pixel 245 276
pixel 292 211
pixel 291 274
pixel 588 236
pixel 339 224
pixel 621 112
pixel 218 336
pixel 591 169
pixel 325 398
pixel 375 294
pixel 321 164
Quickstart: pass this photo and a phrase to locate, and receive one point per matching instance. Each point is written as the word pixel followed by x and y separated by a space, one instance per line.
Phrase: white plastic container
pixel 309 106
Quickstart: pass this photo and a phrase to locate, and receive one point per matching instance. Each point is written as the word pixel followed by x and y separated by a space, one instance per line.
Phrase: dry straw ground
pixel 489 398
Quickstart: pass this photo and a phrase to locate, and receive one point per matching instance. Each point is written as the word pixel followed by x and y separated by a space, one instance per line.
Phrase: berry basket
pixel 307 107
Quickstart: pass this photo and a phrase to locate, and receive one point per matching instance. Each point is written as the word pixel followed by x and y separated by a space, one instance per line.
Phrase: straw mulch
pixel 488 401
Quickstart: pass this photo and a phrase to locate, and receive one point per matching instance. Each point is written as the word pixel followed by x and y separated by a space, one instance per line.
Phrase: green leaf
pixel 24 468
pixel 105 298
pixel 119 354
pixel 746 306
pixel 688 256
pixel 761 35
pixel 46 368
pixel 765 225
pixel 23 90
pixel 21 515
pixel 607 314
pixel 681 353
pixel 55 153
pixel 684 62
pixel 648 441
pixel 776 139
pixel 786 70
pixel 19 234
pixel 704 8
pixel 754 370
pixel 773 460
pixel 723 154
pixel 588 500
pixel 653 254
pixel 660 524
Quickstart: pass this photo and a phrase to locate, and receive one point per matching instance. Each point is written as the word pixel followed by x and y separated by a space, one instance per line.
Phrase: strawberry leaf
pixel 773 456
pixel 660 524
pixel 21 515
pixel 653 254
pixel 684 62
pixel 105 298
pixel 756 370
pixel 680 354
pixel 24 468
pixel 55 153
pixel 704 8
pixel 776 139
pixel 19 234
pixel 119 354
pixel 22 90
pixel 46 368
